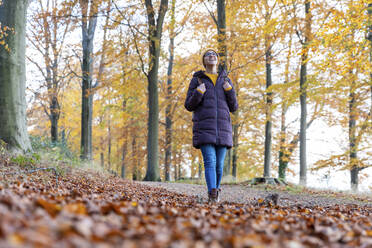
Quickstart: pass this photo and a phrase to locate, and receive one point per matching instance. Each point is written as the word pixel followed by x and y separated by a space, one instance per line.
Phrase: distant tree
pixel 303 93
pixel 155 28
pixel 47 35
pixel 89 11
pixel 168 109
pixel 345 55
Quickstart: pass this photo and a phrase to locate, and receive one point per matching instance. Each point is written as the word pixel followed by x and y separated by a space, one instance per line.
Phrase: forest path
pixel 84 208
pixel 245 194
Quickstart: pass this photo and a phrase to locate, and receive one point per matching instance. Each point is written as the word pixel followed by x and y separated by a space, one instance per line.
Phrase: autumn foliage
pixel 81 208
pixel 338 81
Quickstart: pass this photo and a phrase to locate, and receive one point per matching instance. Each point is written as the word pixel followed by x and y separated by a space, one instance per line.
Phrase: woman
pixel 211 97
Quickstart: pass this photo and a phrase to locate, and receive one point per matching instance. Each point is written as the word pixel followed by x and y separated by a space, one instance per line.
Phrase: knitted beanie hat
pixel 210 49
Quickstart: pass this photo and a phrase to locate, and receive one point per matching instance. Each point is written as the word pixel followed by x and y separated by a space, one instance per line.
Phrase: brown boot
pixel 213 196
pixel 218 195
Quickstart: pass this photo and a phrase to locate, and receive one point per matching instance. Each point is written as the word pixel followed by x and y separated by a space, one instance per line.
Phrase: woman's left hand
pixel 226 85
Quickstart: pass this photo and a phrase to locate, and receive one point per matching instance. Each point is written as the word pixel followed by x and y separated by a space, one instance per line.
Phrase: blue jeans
pixel 214 157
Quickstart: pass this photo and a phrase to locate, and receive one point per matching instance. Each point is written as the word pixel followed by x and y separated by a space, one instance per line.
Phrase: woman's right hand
pixel 201 88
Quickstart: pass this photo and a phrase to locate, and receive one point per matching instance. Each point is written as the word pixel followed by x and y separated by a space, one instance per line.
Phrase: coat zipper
pixel 215 93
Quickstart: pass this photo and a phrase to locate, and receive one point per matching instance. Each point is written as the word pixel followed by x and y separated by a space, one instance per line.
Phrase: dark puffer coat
pixel 211 110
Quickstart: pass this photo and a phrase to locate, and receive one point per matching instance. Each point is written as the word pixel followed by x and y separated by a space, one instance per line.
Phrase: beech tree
pixel 13 129
pixel 155 28
pixel 47 35
pixel 89 10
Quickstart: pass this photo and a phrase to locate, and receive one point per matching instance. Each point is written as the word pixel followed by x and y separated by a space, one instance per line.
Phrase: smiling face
pixel 210 58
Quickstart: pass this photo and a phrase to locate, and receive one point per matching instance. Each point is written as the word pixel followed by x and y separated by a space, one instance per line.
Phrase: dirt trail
pixel 249 195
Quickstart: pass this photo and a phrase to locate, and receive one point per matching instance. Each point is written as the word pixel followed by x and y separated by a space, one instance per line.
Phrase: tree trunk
pixel 168 115
pixel 283 150
pixel 200 170
pixel 227 163
pixel 175 167
pixel 234 170
pixel 102 160
pixel 221 30
pixel 134 159
pixel 222 51
pixel 54 115
pixel 123 162
pixel 283 161
pixel 268 125
pixel 89 23
pixel 63 137
pixel 352 140
pixel 109 142
pixel 235 142
pixel 155 32
pixel 303 89
pixel 13 79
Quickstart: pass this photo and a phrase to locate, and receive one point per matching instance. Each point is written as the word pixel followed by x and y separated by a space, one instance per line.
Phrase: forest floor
pixel 85 208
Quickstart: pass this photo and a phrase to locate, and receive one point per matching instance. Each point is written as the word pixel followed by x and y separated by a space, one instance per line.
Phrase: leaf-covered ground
pixel 89 209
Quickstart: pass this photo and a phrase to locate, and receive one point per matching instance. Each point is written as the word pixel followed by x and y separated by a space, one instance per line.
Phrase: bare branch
pixel 210 13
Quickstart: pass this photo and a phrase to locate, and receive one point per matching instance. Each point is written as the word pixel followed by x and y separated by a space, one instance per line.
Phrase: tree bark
pixel 221 31
pixel 283 150
pixel 155 32
pixel 89 23
pixel 123 162
pixel 227 164
pixel 354 171
pixel 54 117
pixel 235 142
pixel 303 89
pixel 109 141
pixel 283 160
pixel 135 175
pixel 13 129
pixel 168 115
pixel 102 156
pixel 268 125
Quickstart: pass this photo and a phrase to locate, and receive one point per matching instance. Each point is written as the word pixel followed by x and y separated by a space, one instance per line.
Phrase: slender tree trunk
pixel 235 141
pixel 227 164
pixel 234 170
pixel 168 115
pixel 13 78
pixel 155 32
pixel 179 168
pixel 200 162
pixel 54 115
pixel 283 150
pixel 268 125
pixel 221 31
pixel 222 50
pixel 200 170
pixel 283 162
pixel 175 167
pixel 134 159
pixel 303 89
pixel 109 141
pixel 63 136
pixel 354 171
pixel 89 24
pixel 123 162
pixel 102 156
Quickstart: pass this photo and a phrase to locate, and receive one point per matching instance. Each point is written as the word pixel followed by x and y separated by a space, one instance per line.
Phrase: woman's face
pixel 210 58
